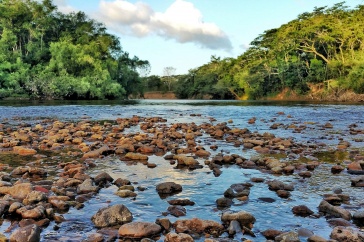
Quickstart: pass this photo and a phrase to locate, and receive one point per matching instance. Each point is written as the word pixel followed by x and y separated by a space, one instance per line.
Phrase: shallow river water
pixel 200 185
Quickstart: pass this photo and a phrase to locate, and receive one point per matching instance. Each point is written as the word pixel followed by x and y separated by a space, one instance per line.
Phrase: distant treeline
pixel 320 47
pixel 47 54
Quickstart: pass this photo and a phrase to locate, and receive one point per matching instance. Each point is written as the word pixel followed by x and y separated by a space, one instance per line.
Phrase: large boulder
pixel 30 233
pixel 110 216
pixel 139 230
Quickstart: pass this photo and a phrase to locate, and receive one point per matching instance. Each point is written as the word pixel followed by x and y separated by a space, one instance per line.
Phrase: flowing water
pixel 200 185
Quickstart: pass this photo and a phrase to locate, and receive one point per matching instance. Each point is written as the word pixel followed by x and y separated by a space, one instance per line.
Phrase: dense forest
pixel 323 48
pixel 45 54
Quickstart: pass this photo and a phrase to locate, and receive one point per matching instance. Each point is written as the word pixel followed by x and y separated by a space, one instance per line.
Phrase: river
pixel 200 185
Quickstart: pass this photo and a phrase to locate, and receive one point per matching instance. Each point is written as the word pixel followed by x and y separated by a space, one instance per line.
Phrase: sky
pixel 184 34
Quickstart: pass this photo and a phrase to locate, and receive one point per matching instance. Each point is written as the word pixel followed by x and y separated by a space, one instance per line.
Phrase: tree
pixel 168 73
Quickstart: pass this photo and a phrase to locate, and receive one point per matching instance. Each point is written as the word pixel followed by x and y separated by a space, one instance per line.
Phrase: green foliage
pixel 325 44
pixel 47 54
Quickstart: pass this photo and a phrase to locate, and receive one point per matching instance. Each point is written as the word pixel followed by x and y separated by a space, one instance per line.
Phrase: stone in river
pixel 168 188
pixel 110 216
pixel 139 230
pixel 287 237
pixel 30 233
pixel 302 210
pixel 346 234
pixel 181 237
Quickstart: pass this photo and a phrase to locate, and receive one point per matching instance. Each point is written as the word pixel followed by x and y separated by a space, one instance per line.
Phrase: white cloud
pixel 63 6
pixel 182 21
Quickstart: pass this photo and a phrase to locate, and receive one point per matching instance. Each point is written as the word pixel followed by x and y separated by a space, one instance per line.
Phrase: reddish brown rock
pixel 198 226
pixel 139 230
pixel 20 150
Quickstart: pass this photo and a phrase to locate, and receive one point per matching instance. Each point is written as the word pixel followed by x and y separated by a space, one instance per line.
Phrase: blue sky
pixel 185 34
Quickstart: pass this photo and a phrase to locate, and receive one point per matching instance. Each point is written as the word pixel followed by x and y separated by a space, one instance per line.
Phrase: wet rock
pixel 355 182
pixel 121 182
pixel 199 226
pixel 15 206
pixel 168 188
pixel 283 193
pixel 224 202
pixel 334 222
pixel 186 160
pixel 270 234
pixel 257 179
pixel 287 237
pixel 303 232
pixel 110 216
pixel 238 190
pixel 316 238
pixel 104 150
pixel 181 237
pixel 165 223
pixel 103 179
pixel 19 191
pixel 87 187
pixel 354 166
pixel 4 206
pixel 244 218
pixel 202 153
pixel 234 227
pixel 177 210
pixel 31 213
pixel 59 203
pixel 358 218
pixel 182 202
pixel 96 237
pixel 337 169
pixel 302 210
pixel 125 193
pixel 136 156
pixel 278 185
pixel 345 234
pixel 34 197
pixel 20 150
pixel 334 211
pixel 305 174
pixel 30 233
pixel 267 199
pixel 139 230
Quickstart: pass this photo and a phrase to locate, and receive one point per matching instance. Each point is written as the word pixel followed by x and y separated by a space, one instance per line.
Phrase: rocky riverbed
pixel 152 178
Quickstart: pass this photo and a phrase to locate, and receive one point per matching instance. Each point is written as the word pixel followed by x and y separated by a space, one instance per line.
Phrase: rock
pixel 302 210
pixel 177 210
pixel 186 160
pixel 316 238
pixel 19 191
pixel 270 234
pixel 199 226
pixel 34 197
pixel 278 185
pixel 33 213
pixel 358 218
pixel 303 232
pixel 355 182
pixel 346 234
pixel 305 174
pixel 136 156
pixel 287 237
pixel 181 237
pixel 125 193
pixel 224 202
pixel 20 150
pixel 257 179
pixel 3 238
pixel 4 207
pixel 337 169
pixel 334 222
pixel 139 230
pixel 202 153
pixel 354 166
pixel 283 193
pixel 87 187
pixel 334 211
pixel 96 237
pixel 168 188
pixel 244 218
pixel 30 233
pixel 15 206
pixel 102 179
pixel 164 223
pixel 234 227
pixel 110 216
pixel 121 182
pixel 182 202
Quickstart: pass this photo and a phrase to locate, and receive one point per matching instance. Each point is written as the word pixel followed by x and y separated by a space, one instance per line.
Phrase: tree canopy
pixel 48 54
pixel 324 45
